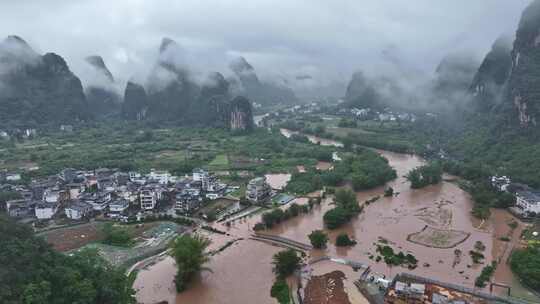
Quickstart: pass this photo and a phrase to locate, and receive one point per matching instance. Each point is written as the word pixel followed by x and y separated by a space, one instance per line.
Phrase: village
pixel 110 194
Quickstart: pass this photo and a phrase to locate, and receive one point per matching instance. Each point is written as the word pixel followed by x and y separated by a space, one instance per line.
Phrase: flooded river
pixel 313 139
pixel 243 273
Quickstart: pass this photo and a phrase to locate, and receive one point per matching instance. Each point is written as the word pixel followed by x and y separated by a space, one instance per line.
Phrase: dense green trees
pixel 189 252
pixel 485 275
pixel 397 259
pixel 526 264
pixel 430 174
pixel 277 215
pixel 336 217
pixel 280 291
pixel 365 170
pixel 346 207
pixel 305 182
pixel 285 263
pixel 343 240
pixel 34 273
pixel 318 239
pixel 116 236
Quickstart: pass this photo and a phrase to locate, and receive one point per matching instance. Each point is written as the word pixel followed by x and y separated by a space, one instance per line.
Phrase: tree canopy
pixel 285 263
pixel 318 239
pixel 190 255
pixel 34 273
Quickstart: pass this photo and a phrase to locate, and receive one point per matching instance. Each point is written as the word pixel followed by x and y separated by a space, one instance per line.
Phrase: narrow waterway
pixel 243 272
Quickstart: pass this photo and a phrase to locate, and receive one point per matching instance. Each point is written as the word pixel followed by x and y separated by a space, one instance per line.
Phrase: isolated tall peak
pixel 166 43
pixel 241 65
pixel 488 82
pixel 523 94
pixel 16 40
pixel 98 63
pixel 37 89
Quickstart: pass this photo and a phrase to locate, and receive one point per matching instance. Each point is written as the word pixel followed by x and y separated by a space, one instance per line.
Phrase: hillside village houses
pixel 383 116
pixel 80 194
pixel 527 199
pixel 528 202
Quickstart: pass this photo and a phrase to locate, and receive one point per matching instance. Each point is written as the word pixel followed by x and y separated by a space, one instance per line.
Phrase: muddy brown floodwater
pixel 243 274
pixel 313 139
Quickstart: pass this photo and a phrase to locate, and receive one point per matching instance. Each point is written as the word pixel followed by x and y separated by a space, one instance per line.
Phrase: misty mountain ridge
pixel 100 89
pixel 37 89
pixel 247 83
pixel 41 90
pixel 445 91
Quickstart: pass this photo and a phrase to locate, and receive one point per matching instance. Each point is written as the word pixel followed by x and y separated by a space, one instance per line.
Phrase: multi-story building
pixel 187 203
pixel 99 201
pixel 501 183
pixel 46 210
pixel 20 208
pixel 258 190
pixel 149 196
pixel 78 210
pixel 528 202
pixel 118 205
pixel 162 177
pixel 199 175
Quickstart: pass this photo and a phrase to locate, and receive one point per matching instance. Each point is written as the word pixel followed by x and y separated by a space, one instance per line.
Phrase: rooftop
pixel 530 196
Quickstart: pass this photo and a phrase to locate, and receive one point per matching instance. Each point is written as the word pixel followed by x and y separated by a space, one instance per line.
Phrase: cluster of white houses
pixel 83 194
pixel 385 115
pixel 527 199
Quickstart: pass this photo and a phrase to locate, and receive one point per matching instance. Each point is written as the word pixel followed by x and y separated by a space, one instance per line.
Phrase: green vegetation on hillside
pixel 116 236
pixel 32 272
pixel 137 146
pixel 526 264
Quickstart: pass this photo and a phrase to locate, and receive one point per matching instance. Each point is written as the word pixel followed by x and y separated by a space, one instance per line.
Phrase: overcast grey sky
pixel 328 39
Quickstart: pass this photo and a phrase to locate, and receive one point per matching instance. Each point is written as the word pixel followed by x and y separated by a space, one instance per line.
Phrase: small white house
pixel 162 177
pixel 13 177
pixel 45 211
pixel 149 197
pixel 199 175
pixel 528 201
pixel 78 210
pixel 501 183
pixel 118 206
pixel 51 196
pixel 212 195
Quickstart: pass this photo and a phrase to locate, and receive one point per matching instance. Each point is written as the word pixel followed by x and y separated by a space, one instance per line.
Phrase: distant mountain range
pixel 505 85
pixel 38 90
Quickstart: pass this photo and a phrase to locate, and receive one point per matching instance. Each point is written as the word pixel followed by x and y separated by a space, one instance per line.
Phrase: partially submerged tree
pixel 189 252
pixel 285 263
pixel 318 239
